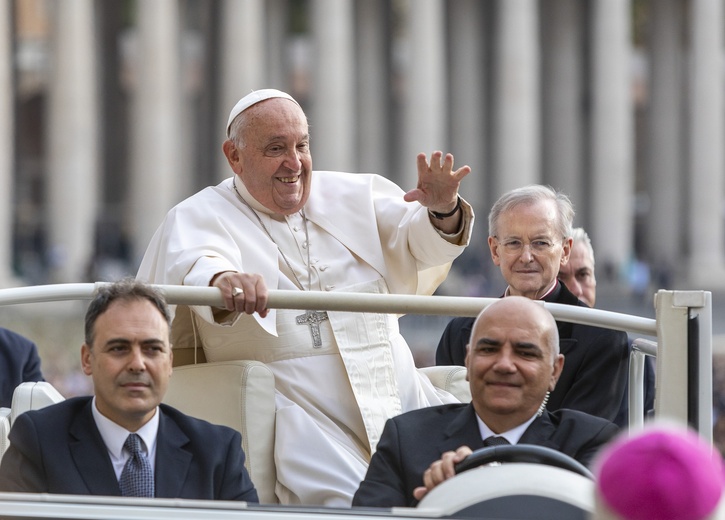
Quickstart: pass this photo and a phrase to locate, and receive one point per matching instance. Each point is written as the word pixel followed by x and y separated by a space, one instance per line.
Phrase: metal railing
pixel 680 396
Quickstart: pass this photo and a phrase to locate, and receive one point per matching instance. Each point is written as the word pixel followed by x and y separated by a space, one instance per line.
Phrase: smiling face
pixel 273 158
pixel 130 361
pixel 512 361
pixel 578 274
pixel 532 268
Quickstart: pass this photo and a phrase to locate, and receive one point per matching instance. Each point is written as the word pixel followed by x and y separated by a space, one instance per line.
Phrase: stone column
pixel 665 176
pixel 612 178
pixel 332 107
pixel 243 62
pixel 373 87
pixel 705 223
pixel 159 179
pixel 425 122
pixel 468 96
pixel 277 64
pixel 562 128
pixel 516 153
pixel 7 145
pixel 72 130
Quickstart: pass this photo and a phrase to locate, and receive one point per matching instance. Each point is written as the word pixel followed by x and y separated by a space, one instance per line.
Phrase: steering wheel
pixel 522 453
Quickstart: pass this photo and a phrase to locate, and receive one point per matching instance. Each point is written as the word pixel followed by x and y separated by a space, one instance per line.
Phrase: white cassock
pixel 333 399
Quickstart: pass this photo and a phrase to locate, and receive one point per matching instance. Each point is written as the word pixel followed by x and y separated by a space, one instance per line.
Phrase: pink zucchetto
pixel 663 473
pixel 253 98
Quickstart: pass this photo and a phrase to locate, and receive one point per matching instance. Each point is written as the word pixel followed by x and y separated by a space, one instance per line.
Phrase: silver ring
pixel 236 291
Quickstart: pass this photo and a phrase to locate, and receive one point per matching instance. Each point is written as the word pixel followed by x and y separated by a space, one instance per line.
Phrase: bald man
pixel 513 362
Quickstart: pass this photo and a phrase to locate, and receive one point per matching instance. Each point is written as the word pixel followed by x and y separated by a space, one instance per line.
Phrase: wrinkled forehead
pixel 513 331
pixel 274 118
pixel 538 219
pixel 516 319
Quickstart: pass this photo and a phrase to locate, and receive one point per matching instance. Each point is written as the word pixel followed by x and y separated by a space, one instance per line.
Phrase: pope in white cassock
pixel 277 224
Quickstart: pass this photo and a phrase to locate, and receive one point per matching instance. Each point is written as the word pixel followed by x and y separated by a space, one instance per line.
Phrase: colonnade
pixel 524 91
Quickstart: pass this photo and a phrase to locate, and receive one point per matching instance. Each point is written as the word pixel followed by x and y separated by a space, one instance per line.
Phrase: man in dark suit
pixel 19 362
pixel 90 445
pixel 513 362
pixel 578 275
pixel 530 240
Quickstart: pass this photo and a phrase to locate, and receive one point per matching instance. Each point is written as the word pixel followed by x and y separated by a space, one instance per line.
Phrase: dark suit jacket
pixel 596 362
pixel 58 449
pixel 412 441
pixel 19 362
pixel 622 418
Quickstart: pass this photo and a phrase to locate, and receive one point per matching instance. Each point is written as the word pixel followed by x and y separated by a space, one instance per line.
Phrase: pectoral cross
pixel 313 319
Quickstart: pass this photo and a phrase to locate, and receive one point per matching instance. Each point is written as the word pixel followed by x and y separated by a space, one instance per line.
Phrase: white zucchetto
pixel 253 98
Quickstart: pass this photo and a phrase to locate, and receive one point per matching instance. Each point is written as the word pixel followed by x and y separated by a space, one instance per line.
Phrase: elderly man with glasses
pixel 530 239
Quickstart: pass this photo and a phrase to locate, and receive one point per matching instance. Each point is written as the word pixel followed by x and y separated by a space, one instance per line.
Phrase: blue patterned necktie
pixel 137 478
pixel 494 440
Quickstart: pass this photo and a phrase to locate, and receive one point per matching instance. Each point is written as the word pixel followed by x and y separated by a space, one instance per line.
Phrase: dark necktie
pixel 137 478
pixel 494 440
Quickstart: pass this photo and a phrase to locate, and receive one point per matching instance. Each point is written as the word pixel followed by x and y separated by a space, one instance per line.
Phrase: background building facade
pixel 112 111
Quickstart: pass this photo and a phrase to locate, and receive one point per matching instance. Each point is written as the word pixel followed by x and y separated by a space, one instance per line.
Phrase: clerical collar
pixel 254 203
pixel 547 293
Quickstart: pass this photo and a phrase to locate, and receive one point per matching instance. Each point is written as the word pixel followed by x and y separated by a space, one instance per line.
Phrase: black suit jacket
pixel 412 441
pixel 58 449
pixel 19 362
pixel 596 362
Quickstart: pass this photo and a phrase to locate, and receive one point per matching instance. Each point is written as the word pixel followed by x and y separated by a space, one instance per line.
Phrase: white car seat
pixel 27 396
pixel 238 394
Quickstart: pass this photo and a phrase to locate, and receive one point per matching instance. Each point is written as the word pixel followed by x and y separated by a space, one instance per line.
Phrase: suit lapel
pixel 540 432
pixel 562 295
pixel 172 460
pixel 462 430
pixel 90 455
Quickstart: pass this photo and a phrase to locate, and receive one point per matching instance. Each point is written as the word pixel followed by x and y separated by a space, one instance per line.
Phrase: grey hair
pixel 528 195
pixel 578 235
pixel 235 130
pixel 127 290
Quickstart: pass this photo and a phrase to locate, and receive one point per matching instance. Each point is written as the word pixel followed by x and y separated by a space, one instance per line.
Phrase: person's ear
pixel 466 361
pixel 558 367
pixel 86 359
pixel 493 246
pixel 233 155
pixel 566 251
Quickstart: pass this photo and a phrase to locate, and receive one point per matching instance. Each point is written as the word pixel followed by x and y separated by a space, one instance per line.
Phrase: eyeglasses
pixel 514 246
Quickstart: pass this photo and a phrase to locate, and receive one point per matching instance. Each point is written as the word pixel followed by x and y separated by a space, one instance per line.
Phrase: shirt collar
pixel 114 435
pixel 513 435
